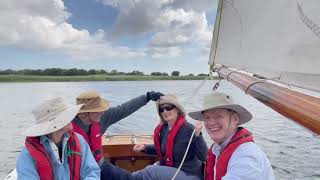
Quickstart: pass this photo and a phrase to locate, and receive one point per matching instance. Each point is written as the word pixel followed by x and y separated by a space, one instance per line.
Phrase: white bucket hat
pixel 170 99
pixel 221 101
pixel 51 116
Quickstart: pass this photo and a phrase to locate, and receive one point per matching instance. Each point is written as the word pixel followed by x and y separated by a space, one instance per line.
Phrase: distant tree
pixel 26 72
pixel 37 72
pixel 156 74
pixel 82 72
pixel 52 72
pixel 190 74
pixel 175 73
pixel 113 72
pixel 7 72
pixel 164 74
pixel 92 72
pixel 136 73
pixel 101 71
pixel 202 74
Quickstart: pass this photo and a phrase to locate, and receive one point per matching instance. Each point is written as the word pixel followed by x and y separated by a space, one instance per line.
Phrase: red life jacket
pixel 240 137
pixel 94 141
pixel 43 160
pixel 172 134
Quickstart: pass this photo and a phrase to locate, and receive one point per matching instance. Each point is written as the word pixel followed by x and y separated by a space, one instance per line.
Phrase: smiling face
pixel 168 112
pixel 220 124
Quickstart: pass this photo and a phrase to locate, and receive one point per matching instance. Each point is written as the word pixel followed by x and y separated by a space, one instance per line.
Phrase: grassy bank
pixel 25 78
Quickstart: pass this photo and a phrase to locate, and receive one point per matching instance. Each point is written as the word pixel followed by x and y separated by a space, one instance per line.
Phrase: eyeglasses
pixel 167 108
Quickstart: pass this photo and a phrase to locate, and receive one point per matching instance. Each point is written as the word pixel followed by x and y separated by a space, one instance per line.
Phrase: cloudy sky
pixel 126 35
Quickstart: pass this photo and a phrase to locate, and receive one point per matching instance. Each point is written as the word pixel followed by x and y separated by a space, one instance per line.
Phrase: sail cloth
pixel 271 38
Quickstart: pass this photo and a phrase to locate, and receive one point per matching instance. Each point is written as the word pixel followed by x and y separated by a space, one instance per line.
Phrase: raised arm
pixel 115 114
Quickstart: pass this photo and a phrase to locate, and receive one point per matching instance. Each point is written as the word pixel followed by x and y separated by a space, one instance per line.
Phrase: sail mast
pixel 283 44
pixel 301 108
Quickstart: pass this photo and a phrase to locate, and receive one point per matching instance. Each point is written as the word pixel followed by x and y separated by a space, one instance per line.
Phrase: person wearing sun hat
pixel 52 150
pixel 96 116
pixel 234 155
pixel 171 138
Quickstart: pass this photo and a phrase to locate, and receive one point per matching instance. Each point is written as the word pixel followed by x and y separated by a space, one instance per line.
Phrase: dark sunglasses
pixel 167 108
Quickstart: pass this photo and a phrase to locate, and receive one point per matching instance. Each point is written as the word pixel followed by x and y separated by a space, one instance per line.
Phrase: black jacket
pixel 197 152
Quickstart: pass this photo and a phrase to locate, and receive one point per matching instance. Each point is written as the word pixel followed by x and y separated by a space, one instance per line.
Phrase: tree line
pixel 83 72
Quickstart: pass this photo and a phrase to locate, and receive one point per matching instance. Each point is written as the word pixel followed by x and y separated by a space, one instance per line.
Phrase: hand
pixel 154 96
pixel 198 127
pixel 139 147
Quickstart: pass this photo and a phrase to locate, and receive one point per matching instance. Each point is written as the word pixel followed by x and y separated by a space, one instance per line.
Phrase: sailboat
pixel 265 48
pixel 271 49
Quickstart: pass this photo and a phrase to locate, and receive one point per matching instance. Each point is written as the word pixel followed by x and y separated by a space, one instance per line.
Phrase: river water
pixel 293 151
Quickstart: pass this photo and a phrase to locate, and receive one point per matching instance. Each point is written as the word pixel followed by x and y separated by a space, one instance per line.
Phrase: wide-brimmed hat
pixel 92 102
pixel 170 99
pixel 221 101
pixel 51 116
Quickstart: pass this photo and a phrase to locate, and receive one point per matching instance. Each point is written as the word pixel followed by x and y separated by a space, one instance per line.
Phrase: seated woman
pixel 171 138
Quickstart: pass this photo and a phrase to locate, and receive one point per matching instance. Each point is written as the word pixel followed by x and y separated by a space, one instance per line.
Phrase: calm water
pixel 293 151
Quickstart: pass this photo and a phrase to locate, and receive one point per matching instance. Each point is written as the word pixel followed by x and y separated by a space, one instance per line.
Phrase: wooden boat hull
pixel 119 151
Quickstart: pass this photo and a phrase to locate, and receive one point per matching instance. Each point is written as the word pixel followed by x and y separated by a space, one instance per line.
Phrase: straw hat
pixel 170 99
pixel 51 116
pixel 92 102
pixel 218 101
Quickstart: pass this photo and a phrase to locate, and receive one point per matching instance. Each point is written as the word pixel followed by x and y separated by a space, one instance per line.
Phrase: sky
pixel 125 35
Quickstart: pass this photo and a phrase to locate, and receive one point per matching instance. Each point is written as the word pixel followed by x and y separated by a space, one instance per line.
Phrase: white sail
pixel 272 38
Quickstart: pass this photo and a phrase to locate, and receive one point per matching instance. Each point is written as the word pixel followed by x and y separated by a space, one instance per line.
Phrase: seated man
pixel 52 150
pixel 96 116
pixel 233 155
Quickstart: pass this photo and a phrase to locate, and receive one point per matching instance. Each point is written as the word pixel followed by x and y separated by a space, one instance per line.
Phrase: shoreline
pixel 32 78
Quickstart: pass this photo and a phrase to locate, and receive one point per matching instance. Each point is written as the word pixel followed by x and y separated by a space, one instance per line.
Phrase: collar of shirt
pixel 55 149
pixel 217 149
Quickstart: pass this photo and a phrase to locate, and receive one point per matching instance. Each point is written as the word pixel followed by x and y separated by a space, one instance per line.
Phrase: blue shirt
pixel 26 167
pixel 248 162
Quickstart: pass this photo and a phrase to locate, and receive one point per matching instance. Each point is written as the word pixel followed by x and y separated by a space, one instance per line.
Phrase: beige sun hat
pixel 51 116
pixel 92 102
pixel 170 99
pixel 224 101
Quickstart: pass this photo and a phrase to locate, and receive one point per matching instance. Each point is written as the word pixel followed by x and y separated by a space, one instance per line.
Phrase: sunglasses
pixel 167 108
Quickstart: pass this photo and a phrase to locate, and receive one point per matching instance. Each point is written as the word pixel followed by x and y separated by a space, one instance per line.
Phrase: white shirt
pixel 248 162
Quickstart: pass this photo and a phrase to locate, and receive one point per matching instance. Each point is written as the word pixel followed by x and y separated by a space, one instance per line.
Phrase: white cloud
pixel 174 23
pixel 164 52
pixel 200 5
pixel 42 25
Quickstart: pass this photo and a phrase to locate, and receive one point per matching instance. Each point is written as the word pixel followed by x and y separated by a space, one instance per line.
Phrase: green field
pixel 26 78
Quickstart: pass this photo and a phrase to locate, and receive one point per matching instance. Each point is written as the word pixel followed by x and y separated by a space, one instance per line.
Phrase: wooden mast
pixel 301 108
